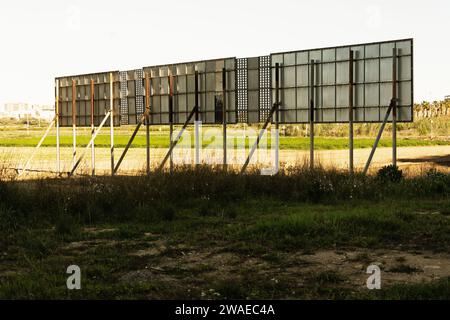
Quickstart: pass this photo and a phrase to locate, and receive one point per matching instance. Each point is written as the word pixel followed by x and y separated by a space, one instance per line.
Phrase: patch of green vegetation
pixel 101 223
pixel 161 140
pixel 329 143
pixel 437 290
pixel 326 278
pixel 404 268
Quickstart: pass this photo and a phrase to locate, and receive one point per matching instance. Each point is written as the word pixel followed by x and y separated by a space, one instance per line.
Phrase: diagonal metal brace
pixel 89 144
pixel 261 133
pixel 25 167
pixel 174 143
pixel 136 130
pixel 380 132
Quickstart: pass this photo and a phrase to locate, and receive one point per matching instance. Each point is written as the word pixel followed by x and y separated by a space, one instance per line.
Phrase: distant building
pixel 24 110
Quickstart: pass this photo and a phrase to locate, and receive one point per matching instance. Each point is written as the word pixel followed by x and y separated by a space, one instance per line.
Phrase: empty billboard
pixel 318 76
pixel 210 91
pixel 92 98
pixel 329 85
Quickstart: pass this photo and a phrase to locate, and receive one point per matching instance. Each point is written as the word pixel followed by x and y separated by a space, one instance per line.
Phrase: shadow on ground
pixel 440 160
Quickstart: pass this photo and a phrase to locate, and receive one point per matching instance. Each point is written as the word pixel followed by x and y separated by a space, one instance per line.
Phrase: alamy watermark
pixel 74 280
pixel 374 281
pixel 262 146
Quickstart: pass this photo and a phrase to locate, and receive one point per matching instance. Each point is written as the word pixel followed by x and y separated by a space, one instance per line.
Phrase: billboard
pixel 323 75
pixel 210 91
pixel 87 97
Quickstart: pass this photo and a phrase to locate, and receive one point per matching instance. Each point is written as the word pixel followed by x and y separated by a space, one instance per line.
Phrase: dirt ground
pixel 347 267
pixel 414 159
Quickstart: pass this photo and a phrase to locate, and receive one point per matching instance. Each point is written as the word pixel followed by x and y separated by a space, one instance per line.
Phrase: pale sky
pixel 44 39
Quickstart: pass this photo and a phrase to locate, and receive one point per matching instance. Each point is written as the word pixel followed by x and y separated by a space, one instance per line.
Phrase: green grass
pixel 191 221
pixel 161 140
pixel 38 256
pixel 326 143
pixel 327 138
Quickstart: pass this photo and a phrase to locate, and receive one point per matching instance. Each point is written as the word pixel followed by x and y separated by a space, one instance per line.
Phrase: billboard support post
pixel 260 136
pixel 133 136
pixel 394 108
pixel 144 119
pixel 90 143
pixel 58 154
pixel 224 117
pixel 177 139
pixel 273 111
pixel 311 117
pixel 197 121
pixel 350 112
pixel 147 119
pixel 277 119
pixel 92 128
pixel 74 124
pixel 171 119
pixel 111 119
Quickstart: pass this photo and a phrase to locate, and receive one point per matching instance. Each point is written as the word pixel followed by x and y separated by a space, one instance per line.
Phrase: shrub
pixel 390 173
pixel 168 213
pixel 435 174
pixel 65 225
pixel 9 222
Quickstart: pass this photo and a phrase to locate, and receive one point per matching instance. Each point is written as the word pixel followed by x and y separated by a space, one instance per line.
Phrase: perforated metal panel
pixel 265 92
pixel 242 90
pixel 123 98
pixel 139 85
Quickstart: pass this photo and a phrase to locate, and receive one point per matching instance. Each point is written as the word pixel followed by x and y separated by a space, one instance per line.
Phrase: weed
pixel 390 173
pixel 403 268
pixel 65 225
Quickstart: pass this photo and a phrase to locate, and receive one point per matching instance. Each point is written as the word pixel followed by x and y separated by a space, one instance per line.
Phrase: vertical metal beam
pixel 92 127
pixel 147 118
pixel 394 107
pixel 74 123
pixel 350 112
pixel 277 112
pixel 274 112
pixel 171 119
pixel 196 96
pixel 58 153
pixel 197 122
pixel 224 117
pixel 311 117
pixel 111 119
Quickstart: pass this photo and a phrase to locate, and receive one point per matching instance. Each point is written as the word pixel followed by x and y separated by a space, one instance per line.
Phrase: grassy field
pixel 161 140
pixel 211 235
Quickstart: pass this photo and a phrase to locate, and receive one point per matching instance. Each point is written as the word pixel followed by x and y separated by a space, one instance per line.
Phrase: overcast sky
pixel 43 39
